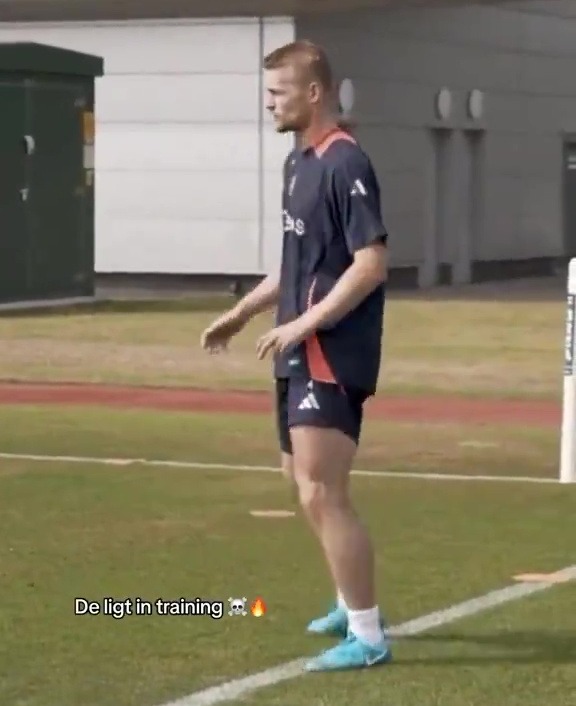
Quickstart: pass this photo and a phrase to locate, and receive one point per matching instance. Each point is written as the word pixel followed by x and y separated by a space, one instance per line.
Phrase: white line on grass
pixel 265 469
pixel 238 688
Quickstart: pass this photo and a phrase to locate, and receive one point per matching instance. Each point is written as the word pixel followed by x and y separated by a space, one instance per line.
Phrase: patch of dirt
pixel 397 409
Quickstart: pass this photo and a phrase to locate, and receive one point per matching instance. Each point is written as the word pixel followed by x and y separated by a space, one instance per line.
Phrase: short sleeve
pixel 357 197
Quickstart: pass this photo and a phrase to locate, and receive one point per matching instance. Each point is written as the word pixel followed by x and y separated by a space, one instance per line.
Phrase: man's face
pixel 290 98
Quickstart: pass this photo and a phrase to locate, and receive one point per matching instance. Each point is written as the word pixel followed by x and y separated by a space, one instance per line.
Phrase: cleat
pixel 351 653
pixel 334 623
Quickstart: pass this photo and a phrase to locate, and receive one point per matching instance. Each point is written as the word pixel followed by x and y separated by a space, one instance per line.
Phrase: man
pixel 327 341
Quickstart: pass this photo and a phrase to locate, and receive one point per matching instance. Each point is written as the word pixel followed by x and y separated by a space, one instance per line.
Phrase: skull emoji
pixel 237 606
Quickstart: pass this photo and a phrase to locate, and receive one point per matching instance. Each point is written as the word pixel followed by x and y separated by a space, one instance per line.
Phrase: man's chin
pixel 285 127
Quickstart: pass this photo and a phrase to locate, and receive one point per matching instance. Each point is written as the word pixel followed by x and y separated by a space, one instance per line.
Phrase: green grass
pixel 92 530
pixel 96 531
pixel 518 655
pixel 484 348
pixel 251 439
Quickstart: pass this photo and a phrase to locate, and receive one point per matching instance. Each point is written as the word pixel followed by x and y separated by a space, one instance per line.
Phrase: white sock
pixel 365 624
pixel 341 601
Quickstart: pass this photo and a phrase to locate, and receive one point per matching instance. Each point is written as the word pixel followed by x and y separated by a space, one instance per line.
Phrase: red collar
pixel 322 139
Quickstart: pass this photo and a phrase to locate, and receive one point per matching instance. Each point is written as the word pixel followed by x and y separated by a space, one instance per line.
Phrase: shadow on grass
pixel 517 647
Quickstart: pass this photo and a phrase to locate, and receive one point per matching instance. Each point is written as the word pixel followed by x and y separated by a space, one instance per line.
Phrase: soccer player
pixel 329 297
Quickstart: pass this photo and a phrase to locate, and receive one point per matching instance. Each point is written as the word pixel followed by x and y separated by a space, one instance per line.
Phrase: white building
pixel 468 111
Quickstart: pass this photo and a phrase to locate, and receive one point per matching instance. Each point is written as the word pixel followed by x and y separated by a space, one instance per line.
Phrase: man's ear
pixel 314 92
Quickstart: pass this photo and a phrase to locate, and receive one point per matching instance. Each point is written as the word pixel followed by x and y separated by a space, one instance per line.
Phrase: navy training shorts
pixel 302 402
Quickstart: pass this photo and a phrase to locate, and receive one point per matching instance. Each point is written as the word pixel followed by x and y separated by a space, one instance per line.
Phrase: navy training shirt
pixel 331 209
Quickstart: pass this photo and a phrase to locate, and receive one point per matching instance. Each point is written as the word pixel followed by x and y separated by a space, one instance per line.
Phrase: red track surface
pixel 417 409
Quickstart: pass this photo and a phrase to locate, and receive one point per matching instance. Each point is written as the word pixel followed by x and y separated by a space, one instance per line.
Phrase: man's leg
pixel 287 466
pixel 286 457
pixel 336 622
pixel 324 444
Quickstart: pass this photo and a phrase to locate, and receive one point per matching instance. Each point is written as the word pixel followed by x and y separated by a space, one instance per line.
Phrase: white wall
pixel 274 149
pixel 188 171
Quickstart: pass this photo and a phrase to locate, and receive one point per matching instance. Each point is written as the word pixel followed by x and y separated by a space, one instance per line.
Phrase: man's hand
pixel 217 336
pixel 283 337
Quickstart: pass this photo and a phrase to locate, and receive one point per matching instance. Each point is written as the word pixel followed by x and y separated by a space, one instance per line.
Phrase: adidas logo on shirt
pixel 309 402
pixel 358 188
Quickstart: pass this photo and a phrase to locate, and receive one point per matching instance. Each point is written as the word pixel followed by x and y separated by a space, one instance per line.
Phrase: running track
pixel 408 409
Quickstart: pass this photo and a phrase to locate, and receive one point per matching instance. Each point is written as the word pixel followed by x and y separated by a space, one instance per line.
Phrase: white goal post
pixel 568 439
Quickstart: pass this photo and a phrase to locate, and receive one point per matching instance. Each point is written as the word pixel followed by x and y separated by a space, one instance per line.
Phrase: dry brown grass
pixel 479 348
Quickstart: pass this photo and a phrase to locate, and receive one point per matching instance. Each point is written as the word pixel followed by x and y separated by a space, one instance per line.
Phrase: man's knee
pixel 321 466
pixel 315 496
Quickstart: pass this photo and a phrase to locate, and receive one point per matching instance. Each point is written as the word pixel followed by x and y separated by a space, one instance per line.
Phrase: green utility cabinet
pixel 47 142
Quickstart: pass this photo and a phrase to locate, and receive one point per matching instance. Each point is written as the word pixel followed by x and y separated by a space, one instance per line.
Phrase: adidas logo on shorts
pixel 309 402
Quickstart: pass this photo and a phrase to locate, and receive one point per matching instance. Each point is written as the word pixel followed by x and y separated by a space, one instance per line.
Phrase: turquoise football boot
pixel 334 623
pixel 351 653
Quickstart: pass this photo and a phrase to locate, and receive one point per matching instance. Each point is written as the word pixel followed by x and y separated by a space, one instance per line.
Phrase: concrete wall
pixel 522 56
pixel 188 165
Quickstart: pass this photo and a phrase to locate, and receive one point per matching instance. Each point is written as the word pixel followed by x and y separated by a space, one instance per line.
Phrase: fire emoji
pixel 258 608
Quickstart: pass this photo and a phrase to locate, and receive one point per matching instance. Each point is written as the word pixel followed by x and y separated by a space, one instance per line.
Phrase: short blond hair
pixel 306 55
pixel 314 61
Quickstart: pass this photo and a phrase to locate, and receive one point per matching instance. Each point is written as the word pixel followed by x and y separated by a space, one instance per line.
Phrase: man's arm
pixel 356 195
pixel 263 297
pixel 368 271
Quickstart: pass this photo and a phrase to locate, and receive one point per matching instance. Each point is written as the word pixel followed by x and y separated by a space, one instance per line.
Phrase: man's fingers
pixel 260 343
pixel 207 342
pixel 207 333
pixel 264 345
pixel 211 342
pixel 264 350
